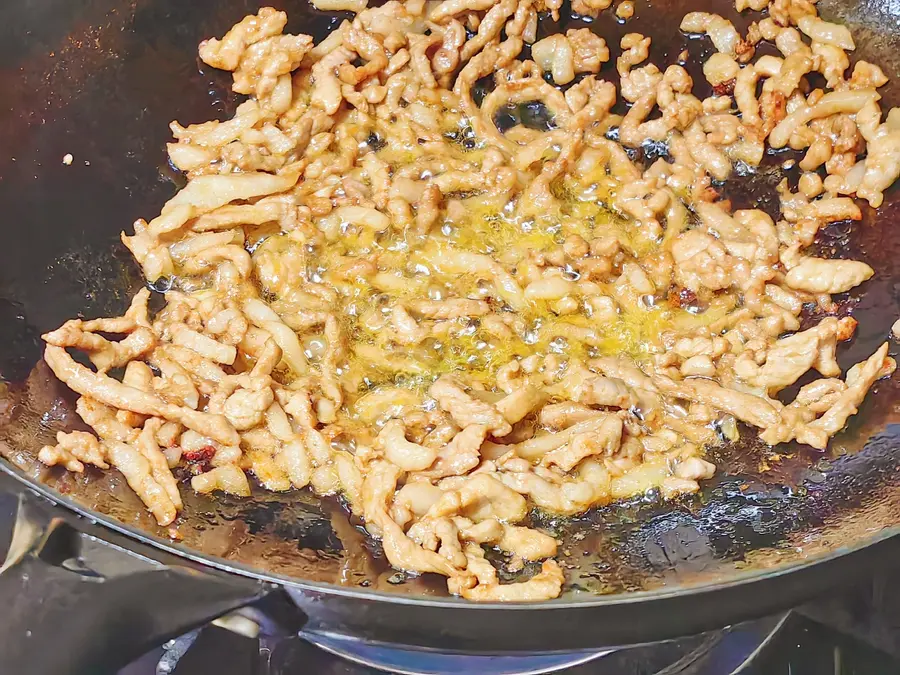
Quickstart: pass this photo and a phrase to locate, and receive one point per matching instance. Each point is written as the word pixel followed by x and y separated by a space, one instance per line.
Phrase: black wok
pixel 100 80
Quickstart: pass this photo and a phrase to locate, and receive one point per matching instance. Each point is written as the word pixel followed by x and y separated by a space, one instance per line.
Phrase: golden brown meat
pixel 375 291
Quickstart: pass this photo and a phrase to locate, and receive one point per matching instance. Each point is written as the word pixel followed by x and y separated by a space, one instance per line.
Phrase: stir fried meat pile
pixel 376 292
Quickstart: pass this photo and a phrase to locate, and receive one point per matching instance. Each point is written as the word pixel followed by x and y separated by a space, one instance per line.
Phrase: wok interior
pixel 103 82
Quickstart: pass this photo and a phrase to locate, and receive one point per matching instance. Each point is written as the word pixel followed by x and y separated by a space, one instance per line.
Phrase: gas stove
pixel 789 644
pixel 854 632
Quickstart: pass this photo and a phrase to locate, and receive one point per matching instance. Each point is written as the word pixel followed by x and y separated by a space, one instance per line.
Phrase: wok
pixel 100 80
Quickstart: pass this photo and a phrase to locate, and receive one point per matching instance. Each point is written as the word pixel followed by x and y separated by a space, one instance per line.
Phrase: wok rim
pixel 739 580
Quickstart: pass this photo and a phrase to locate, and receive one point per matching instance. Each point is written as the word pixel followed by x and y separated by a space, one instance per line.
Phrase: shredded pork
pixel 374 291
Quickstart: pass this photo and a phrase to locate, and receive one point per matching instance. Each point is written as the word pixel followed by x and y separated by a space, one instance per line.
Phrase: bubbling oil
pixel 413 266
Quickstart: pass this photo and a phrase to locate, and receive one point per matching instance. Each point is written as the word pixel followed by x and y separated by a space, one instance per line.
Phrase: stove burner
pixel 215 649
pixel 415 662
pixel 725 652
